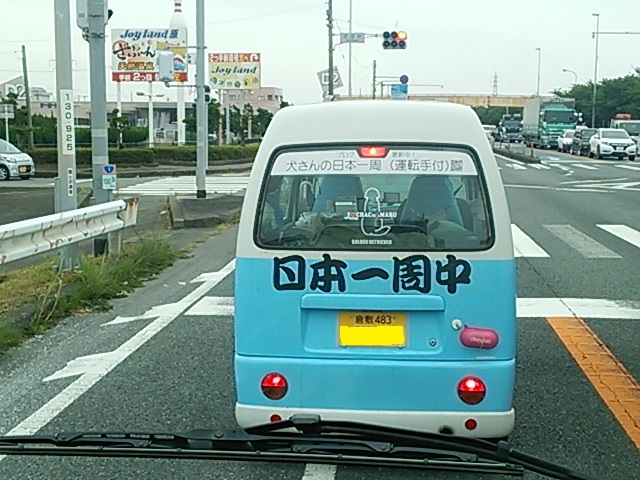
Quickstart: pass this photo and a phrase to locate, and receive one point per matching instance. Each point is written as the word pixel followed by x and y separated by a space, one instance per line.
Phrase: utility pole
pixel 595 72
pixel 97 21
pixel 201 105
pixel 65 185
pixel 27 93
pixel 375 66
pixel 330 25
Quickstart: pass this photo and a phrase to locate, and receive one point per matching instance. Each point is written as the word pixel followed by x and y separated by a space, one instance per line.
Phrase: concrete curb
pixel 516 156
pixel 174 172
pixel 189 212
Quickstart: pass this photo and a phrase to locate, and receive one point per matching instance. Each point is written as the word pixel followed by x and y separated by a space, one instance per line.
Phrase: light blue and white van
pixel 375 276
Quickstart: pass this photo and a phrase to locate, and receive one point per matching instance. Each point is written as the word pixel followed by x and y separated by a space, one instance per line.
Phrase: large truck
pixel 625 121
pixel 510 128
pixel 546 117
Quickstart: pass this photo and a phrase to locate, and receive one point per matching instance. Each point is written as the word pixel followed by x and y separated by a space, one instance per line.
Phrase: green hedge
pixel 161 155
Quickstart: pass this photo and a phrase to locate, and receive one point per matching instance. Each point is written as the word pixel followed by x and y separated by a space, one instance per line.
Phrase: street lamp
pixel 575 75
pixel 595 70
pixel 150 95
pixel 539 58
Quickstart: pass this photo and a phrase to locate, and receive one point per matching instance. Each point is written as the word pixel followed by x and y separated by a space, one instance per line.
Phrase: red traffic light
pixel 394 40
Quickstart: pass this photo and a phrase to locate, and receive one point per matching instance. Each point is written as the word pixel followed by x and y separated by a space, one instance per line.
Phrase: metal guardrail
pixel 37 235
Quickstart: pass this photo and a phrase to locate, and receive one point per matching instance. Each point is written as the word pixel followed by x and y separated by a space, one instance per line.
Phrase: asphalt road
pixel 169 368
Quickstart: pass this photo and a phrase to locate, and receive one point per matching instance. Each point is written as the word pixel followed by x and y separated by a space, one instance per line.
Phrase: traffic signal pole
pixel 201 105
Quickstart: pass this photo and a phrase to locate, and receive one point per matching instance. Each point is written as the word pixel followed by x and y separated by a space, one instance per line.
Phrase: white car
pixel 565 140
pixel 14 163
pixel 612 142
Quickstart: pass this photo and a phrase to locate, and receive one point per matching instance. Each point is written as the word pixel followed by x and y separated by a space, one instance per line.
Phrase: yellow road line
pixel 615 385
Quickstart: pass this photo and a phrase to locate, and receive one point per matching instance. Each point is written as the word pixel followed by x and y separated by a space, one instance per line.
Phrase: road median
pixel 515 156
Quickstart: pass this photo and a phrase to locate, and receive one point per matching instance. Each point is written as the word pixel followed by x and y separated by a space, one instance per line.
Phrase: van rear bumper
pixel 490 424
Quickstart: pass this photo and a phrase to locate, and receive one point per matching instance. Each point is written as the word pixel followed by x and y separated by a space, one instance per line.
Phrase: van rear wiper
pixel 300 439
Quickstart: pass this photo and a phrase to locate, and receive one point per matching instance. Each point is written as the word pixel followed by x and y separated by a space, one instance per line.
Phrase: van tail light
pixel 373 152
pixel 274 386
pixel 471 390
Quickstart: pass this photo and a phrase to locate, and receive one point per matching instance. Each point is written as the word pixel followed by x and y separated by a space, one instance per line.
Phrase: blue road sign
pixel 404 79
pixel 108 169
pixel 399 91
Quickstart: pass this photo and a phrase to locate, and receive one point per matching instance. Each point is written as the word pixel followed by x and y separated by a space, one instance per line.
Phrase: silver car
pixel 14 163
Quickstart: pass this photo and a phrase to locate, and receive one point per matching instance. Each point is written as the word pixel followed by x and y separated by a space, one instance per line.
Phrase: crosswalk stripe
pixel 623 232
pixel 187 185
pixel 585 245
pixel 524 246
pixel 526 307
pixel 628 167
pixel 582 165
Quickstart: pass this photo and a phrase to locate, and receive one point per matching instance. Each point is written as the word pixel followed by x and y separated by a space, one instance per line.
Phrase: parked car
pixel 565 140
pixel 612 142
pixel 580 141
pixel 15 163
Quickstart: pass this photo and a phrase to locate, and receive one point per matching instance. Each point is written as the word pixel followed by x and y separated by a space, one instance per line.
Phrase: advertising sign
pixel 134 53
pixel 234 71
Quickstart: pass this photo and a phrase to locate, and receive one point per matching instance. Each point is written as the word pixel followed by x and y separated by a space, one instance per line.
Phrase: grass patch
pixel 88 290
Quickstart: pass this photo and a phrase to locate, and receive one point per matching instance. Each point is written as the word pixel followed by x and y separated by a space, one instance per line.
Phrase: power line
pixel 267 14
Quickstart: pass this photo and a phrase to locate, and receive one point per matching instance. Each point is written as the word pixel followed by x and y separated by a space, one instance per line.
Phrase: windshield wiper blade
pixel 301 439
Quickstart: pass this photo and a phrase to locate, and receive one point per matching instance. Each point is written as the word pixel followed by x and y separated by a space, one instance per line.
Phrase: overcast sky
pixel 459 44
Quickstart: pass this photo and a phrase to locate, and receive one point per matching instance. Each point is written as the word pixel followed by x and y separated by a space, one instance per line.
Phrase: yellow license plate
pixel 372 329
pixel 22 169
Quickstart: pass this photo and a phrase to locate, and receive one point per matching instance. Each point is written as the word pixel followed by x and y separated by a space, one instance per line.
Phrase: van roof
pixel 375 120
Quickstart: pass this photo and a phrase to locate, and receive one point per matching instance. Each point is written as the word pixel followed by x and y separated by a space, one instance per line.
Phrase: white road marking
pixel 524 246
pixel 70 394
pixel 319 472
pixel 561 167
pixel 629 167
pixel 230 183
pixel 582 165
pixel 213 306
pixel 89 364
pixel 578 308
pixel 525 307
pixel 623 232
pixel 584 244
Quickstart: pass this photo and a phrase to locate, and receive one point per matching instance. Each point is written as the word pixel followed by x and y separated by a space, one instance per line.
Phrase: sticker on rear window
pixel 396 162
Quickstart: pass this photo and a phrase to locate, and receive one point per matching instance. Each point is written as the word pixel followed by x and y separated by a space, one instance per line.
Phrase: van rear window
pixel 374 198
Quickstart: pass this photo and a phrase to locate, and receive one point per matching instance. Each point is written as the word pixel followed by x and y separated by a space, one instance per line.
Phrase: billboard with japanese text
pixel 234 71
pixel 134 53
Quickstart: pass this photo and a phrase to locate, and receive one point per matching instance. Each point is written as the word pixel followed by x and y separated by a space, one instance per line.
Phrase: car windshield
pixel 412 199
pixel 631 128
pixel 511 123
pixel 569 133
pixel 6 147
pixel 617 134
pixel 559 117
pixel 587 132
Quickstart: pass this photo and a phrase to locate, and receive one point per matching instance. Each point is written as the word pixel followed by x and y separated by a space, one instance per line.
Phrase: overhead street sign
pixel 352 38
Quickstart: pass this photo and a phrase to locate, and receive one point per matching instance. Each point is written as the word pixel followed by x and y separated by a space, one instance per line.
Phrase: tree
pixel 117 124
pixel 614 95
pixel 261 121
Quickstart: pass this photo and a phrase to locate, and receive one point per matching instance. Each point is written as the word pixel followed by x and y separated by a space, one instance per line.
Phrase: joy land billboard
pixel 234 71
pixel 134 53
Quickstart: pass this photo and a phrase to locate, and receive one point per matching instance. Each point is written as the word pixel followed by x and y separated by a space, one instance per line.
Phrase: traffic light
pixel 207 94
pixel 394 40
